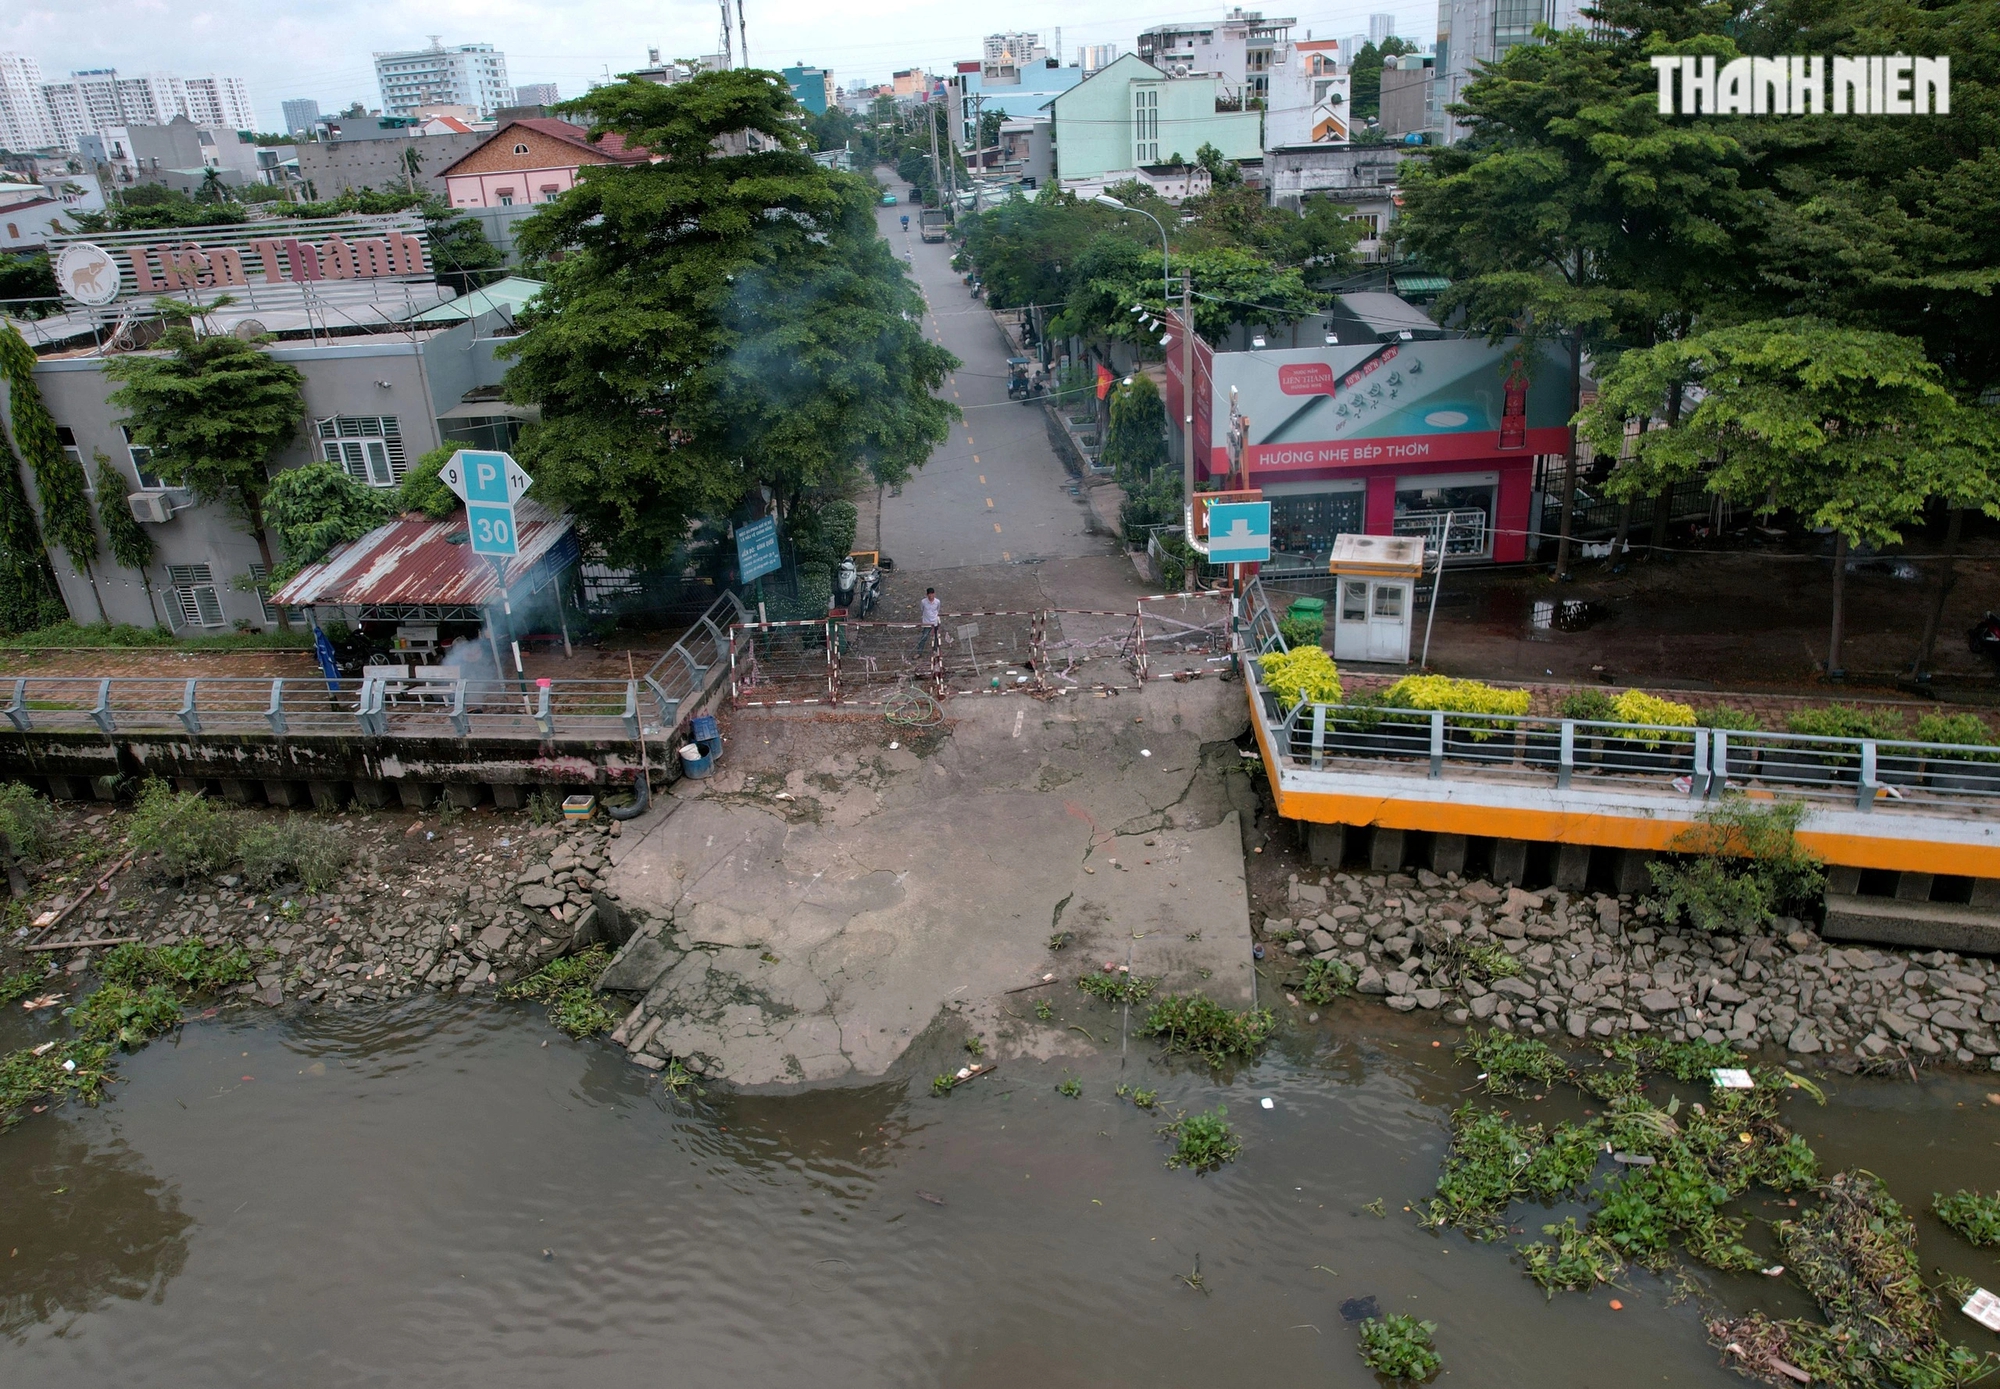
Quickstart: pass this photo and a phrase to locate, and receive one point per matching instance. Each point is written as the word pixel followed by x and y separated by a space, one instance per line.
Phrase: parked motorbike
pixel 857 590
pixel 1984 637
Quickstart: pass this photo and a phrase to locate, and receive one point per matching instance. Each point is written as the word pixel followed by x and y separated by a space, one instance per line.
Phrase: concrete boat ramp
pixel 844 885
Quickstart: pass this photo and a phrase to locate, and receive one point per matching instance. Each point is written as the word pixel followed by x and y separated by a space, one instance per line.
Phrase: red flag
pixel 1104 379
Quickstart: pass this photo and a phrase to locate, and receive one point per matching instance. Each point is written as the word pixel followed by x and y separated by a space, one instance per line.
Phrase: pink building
pixel 530 161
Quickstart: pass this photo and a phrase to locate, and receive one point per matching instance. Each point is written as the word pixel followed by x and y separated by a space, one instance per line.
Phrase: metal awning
pixel 415 561
pixel 1420 284
pixel 488 409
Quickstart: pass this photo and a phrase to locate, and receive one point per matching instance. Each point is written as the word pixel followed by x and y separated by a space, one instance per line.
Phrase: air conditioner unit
pixel 151 508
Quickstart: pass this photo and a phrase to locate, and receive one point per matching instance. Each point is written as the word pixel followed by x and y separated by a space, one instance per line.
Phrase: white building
pixel 1308 96
pixel 301 114
pixel 1006 54
pixel 1380 27
pixel 100 98
pixel 465 74
pixel 1238 49
pixel 1092 56
pixel 1475 32
pixel 536 94
pixel 24 111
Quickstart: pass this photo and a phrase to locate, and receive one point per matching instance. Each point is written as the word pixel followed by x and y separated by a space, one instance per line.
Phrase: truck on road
pixel 934 224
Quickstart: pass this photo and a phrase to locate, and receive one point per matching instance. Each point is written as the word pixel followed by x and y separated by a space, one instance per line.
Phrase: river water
pixel 450 1193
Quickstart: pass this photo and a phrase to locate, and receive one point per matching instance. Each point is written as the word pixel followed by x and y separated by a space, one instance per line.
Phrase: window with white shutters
pixel 195 597
pixel 369 447
pixel 261 577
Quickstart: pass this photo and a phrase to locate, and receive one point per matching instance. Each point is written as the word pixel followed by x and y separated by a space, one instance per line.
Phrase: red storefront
pixel 1395 438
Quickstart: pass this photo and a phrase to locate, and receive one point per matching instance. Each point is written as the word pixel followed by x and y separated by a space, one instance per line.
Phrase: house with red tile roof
pixel 531 160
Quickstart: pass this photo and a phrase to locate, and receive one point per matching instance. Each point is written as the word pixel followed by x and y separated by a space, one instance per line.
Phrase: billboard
pixel 1372 404
pixel 100 268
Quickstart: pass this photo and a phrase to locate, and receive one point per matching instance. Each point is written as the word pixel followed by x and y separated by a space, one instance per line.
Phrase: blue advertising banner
pixel 757 548
pixel 323 649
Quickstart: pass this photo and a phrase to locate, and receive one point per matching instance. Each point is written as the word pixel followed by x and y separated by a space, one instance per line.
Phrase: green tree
pixel 1222 172
pixel 28 277
pixel 1574 211
pixel 1847 429
pixel 715 322
pixel 1232 287
pixel 318 507
pixel 1137 441
pixel 130 543
pixel 1365 77
pixel 213 189
pixel 423 488
pixel 151 207
pixel 59 479
pixel 29 597
pixel 216 411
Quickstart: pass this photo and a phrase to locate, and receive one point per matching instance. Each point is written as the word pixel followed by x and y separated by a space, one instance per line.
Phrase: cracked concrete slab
pixel 820 902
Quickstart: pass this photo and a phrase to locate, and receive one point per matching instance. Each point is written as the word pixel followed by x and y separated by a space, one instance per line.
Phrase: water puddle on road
pixel 448 1194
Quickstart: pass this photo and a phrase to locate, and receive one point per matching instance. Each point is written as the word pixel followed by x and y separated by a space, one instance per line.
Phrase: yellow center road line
pixel 982 476
pixel 996 528
pixel 975 458
pixel 1005 555
pixel 989 503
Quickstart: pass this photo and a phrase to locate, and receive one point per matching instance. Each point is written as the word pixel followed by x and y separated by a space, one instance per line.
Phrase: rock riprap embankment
pixel 447 906
pixel 1594 966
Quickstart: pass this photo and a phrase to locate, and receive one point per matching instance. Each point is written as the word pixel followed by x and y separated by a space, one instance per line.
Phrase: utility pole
pixel 728 56
pixel 1188 389
pixel 742 36
pixel 937 174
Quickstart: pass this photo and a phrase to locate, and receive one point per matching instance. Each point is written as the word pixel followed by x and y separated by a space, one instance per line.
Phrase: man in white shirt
pixel 930 613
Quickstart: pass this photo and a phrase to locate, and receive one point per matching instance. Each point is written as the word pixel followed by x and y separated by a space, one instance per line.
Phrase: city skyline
pixel 541 45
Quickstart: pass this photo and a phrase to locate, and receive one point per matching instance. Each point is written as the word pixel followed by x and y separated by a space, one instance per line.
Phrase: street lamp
pixel 1106 200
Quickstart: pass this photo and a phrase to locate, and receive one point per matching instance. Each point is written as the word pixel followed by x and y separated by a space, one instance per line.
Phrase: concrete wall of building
pixel 1406 99
pixel 334 166
pixel 1094 122
pixel 388 375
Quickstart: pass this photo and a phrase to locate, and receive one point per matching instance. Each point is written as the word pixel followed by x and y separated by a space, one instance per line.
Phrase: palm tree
pixel 212 189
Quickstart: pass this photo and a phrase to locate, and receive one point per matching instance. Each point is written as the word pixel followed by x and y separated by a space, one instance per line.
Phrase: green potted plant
pixel 1826 764
pixel 1366 728
pixel 1543 748
pixel 1972 769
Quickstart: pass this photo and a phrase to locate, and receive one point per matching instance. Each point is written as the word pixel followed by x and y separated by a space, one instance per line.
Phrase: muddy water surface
pixel 432 1195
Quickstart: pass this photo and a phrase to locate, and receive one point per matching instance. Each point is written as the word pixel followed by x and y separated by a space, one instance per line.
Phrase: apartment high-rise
pixel 536 94
pixel 1007 54
pixel 1380 27
pixel 465 74
pixel 300 115
pixel 1092 56
pixel 101 98
pixel 24 111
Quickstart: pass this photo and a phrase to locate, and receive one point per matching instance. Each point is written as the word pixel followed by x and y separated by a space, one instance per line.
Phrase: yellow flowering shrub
pixel 1638 707
pixel 1454 696
pixel 1305 674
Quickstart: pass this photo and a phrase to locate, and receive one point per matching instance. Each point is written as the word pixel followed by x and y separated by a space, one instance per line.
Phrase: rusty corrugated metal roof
pixel 412 560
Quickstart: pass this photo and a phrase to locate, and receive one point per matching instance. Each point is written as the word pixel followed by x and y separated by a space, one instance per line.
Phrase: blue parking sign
pixel 1239 532
pixel 492 529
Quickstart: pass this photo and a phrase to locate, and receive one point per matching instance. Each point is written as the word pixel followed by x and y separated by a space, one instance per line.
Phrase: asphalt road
pixel 994 493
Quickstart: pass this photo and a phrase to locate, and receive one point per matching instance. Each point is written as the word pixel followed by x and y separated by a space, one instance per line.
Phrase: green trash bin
pixel 1307 610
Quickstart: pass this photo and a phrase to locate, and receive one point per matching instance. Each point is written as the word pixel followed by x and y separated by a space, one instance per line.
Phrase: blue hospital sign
pixel 1239 532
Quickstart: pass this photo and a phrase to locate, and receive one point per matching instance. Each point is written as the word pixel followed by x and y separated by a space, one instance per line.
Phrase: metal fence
pixel 299 706
pixel 1701 763
pixel 1872 774
pixel 839 660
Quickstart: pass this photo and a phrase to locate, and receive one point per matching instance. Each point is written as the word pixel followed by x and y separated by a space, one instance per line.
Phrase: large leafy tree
pixel 1573 210
pixel 719 320
pixel 130 543
pixel 59 478
pixel 318 507
pixel 1847 429
pixel 216 411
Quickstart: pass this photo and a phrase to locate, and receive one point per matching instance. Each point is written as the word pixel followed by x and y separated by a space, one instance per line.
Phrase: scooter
pixel 1984 637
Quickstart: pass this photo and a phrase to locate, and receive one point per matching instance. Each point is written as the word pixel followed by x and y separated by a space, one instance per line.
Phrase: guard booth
pixel 1375 581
